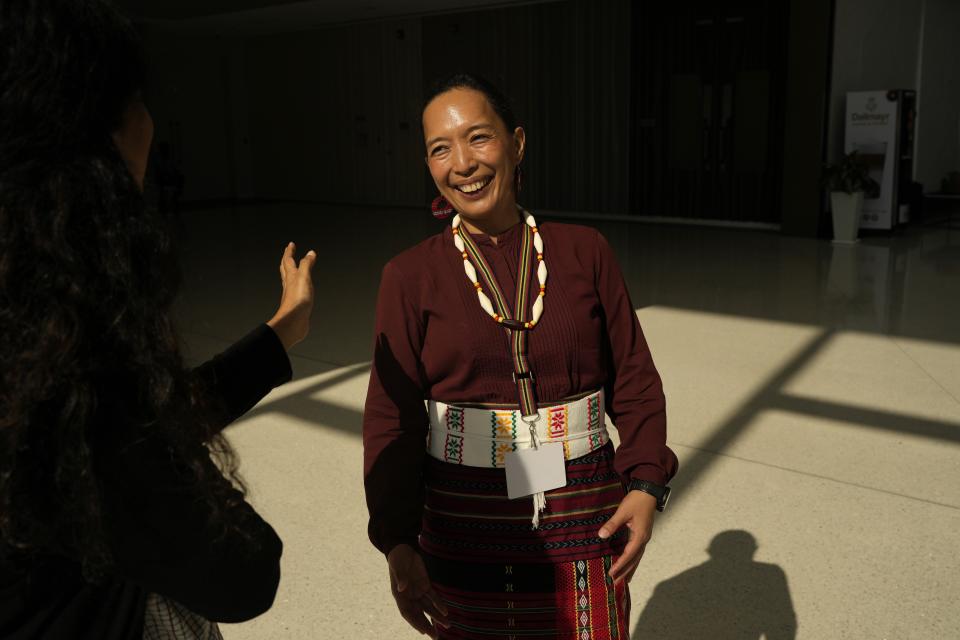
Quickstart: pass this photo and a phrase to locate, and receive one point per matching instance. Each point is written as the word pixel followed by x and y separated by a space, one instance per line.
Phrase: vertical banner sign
pixel 879 127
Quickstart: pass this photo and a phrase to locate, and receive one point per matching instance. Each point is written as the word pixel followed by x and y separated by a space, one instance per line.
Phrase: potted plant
pixel 848 181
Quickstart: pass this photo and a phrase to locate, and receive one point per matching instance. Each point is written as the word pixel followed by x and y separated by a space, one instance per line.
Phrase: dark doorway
pixel 708 109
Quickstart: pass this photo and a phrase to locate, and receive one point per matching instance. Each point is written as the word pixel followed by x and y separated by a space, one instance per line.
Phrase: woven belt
pixel 481 437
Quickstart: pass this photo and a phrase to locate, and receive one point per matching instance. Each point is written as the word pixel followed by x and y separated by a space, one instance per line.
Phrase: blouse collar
pixel 507 238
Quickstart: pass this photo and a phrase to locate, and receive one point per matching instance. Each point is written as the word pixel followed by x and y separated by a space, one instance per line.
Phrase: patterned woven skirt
pixel 501 578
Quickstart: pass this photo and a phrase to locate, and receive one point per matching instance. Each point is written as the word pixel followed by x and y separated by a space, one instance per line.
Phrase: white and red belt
pixel 481 437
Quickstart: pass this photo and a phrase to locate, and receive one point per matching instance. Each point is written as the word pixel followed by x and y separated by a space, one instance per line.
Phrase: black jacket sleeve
pixel 241 376
pixel 158 524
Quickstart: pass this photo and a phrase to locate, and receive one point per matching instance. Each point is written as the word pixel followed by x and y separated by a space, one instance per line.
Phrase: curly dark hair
pixel 87 279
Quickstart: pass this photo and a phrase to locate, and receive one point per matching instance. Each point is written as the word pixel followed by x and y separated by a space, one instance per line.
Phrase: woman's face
pixel 471 155
pixel 133 139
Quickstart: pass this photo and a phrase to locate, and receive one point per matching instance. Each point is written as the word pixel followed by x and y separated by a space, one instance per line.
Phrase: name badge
pixel 530 471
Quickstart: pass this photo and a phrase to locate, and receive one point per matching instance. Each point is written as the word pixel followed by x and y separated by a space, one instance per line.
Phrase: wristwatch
pixel 662 494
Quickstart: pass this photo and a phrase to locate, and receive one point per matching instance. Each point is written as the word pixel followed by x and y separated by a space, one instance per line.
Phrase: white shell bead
pixel 538 243
pixel 542 273
pixel 537 308
pixel 456 221
pixel 485 302
pixel 458 242
pixel 471 272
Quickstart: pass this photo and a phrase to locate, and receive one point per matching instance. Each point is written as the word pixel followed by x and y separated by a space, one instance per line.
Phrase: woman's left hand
pixel 636 512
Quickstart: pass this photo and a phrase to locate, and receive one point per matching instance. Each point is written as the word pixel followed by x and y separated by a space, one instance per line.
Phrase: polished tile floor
pixel 814 402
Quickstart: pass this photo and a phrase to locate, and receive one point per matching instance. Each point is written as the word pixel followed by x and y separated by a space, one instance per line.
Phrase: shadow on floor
pixel 728 597
pixel 771 396
pixel 303 406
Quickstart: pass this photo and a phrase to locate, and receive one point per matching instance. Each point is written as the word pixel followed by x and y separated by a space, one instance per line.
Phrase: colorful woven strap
pixel 515 330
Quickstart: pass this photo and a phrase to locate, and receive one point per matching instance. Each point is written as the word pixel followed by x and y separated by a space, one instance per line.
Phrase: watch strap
pixel 662 494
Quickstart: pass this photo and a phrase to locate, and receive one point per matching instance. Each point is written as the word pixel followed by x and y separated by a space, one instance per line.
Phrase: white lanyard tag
pixel 531 471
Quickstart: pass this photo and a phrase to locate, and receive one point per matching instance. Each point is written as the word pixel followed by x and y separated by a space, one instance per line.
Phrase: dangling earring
pixel 441 208
pixel 518 178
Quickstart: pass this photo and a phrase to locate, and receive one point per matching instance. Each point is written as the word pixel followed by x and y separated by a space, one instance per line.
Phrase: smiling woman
pixel 500 503
pixel 474 151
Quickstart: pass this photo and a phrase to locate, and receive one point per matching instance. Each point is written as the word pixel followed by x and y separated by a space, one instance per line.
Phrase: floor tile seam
pixel 924 369
pixel 814 475
pixel 227 343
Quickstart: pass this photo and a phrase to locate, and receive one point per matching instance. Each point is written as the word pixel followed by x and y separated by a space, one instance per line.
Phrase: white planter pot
pixel 846 208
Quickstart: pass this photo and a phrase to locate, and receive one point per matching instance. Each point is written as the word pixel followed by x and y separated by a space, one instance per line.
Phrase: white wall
pixel 902 44
pixel 938 122
pixel 876 46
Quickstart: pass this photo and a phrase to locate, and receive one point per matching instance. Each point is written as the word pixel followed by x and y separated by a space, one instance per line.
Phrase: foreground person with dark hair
pixel 121 514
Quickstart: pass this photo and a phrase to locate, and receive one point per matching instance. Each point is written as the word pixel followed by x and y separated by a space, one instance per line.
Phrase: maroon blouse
pixel 434 341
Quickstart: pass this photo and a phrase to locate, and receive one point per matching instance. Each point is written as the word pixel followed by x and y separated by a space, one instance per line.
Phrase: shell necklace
pixel 500 315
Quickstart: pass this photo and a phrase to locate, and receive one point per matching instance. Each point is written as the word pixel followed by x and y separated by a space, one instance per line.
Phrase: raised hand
pixel 292 319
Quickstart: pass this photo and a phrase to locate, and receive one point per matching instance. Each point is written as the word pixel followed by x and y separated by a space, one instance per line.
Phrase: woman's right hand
pixel 291 322
pixel 413 592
